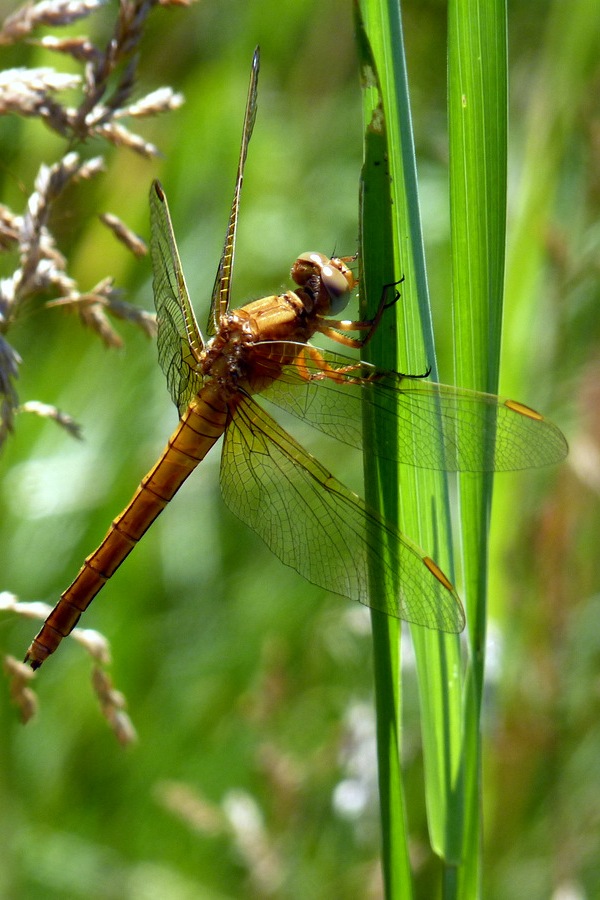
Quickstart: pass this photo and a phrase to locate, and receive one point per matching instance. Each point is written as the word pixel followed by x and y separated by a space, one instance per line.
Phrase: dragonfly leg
pixel 324 369
pixel 331 327
pixel 384 304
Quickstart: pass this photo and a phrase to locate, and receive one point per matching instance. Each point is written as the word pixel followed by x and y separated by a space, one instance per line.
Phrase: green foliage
pixel 251 691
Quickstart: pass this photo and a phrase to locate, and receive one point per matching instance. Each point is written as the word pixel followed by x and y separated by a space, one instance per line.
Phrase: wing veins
pixel 428 425
pixel 222 287
pixel 313 523
pixel 180 341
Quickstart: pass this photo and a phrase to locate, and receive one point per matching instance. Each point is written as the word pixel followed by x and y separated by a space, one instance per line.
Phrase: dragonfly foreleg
pixel 331 327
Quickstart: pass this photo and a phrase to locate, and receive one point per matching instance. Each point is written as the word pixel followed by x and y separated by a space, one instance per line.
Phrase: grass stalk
pixel 477 135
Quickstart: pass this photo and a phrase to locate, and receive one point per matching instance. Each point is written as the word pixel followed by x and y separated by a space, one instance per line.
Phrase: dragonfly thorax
pixel 238 352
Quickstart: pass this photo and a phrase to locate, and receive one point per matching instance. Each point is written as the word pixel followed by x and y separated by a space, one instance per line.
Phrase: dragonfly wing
pixel 424 424
pixel 179 340
pixel 321 529
pixel 222 287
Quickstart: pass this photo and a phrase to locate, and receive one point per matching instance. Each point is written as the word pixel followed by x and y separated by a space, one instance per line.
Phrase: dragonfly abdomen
pixel 200 427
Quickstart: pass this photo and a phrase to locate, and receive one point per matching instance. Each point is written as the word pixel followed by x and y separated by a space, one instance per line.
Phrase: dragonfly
pixel 308 518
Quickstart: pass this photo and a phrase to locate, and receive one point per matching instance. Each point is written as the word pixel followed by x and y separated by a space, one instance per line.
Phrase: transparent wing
pixel 429 425
pixel 222 287
pixel 321 529
pixel 179 339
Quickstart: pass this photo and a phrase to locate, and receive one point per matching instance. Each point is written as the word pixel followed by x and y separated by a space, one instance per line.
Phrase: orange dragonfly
pixel 305 516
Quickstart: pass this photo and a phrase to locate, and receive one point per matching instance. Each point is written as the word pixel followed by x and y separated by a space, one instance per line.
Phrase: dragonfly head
pixel 328 281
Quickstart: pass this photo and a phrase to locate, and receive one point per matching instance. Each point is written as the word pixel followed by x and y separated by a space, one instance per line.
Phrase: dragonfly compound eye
pixel 335 277
pixel 338 284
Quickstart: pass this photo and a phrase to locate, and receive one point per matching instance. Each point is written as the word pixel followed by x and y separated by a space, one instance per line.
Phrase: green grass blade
pixel 478 159
pixel 438 656
pixel 377 269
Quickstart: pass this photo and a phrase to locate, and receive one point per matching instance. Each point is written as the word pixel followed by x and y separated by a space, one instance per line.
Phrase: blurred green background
pixel 251 691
